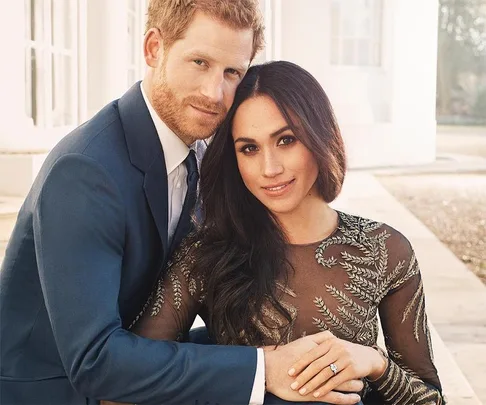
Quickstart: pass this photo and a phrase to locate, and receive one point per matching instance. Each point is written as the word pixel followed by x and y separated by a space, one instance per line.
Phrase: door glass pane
pixel 348 51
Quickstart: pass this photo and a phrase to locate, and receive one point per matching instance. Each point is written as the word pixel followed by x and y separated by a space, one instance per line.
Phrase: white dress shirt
pixel 175 152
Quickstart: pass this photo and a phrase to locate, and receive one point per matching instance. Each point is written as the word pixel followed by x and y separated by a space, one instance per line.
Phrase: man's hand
pixel 279 360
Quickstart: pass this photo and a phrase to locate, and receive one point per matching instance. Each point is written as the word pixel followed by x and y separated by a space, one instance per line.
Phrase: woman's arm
pixel 411 375
pixel 407 374
pixel 175 301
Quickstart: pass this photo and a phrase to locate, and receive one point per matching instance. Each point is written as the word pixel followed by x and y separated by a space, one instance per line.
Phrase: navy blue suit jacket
pixel 87 248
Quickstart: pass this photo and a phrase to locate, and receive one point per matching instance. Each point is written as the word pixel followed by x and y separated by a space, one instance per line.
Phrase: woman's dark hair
pixel 243 248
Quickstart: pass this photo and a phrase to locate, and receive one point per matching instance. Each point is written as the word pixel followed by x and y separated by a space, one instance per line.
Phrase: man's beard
pixel 173 112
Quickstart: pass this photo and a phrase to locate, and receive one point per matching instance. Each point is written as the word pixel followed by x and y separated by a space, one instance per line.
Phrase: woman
pixel 273 261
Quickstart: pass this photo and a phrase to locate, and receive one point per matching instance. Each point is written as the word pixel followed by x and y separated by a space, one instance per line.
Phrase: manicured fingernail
pixel 317 394
pixel 292 371
pixel 294 385
pixel 302 391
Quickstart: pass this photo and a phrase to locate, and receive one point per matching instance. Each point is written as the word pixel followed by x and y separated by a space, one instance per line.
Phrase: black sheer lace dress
pixel 340 284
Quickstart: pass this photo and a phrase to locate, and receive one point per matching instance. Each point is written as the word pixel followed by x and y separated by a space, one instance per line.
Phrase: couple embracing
pixel 135 225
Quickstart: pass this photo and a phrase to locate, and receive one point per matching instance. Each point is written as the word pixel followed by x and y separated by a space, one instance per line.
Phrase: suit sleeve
pixel 79 234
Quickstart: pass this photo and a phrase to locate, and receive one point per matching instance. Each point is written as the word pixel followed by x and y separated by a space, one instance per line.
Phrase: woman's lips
pixel 279 189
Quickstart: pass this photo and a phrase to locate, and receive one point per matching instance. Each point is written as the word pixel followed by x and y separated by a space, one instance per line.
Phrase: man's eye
pixel 198 62
pixel 233 72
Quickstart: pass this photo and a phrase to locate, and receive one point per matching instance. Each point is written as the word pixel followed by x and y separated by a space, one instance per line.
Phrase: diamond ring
pixel 333 368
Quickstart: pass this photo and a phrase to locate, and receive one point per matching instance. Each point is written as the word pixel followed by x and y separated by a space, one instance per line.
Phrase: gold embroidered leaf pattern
pixel 412 270
pixel 370 280
pixel 363 271
pixel 333 320
pixel 326 262
pixel 159 298
pixel 363 282
pixel 420 316
pixel 399 387
pixel 177 289
pixel 363 295
pixel 343 299
pixel 413 302
pixel 192 285
pixel 349 318
pixel 275 322
pixel 320 324
pixel 358 260
pixel 144 308
pixel 364 337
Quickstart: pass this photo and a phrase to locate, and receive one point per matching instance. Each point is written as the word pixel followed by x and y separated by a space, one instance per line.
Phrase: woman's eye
pixel 248 149
pixel 198 62
pixel 286 140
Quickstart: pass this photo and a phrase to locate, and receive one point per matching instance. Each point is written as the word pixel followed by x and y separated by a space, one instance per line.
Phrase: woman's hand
pixel 277 361
pixel 314 370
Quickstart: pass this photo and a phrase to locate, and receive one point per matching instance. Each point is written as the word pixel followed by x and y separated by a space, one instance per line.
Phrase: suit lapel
pixel 155 187
pixel 146 154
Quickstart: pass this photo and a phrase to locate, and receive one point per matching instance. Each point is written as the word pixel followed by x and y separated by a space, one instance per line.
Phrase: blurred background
pixel 407 79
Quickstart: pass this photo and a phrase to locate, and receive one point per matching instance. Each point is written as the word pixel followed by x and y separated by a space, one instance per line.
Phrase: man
pixel 110 204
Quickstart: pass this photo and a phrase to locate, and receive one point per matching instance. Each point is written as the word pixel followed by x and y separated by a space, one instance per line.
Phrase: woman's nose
pixel 272 165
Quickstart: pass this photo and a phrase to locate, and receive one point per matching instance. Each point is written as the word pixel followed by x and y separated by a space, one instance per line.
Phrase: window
pixel 136 26
pixel 356 32
pixel 51 62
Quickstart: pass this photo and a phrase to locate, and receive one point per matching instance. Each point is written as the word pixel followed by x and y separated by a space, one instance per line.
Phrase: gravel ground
pixel 453 207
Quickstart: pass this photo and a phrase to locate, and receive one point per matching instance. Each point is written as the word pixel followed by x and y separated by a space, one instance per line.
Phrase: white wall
pixel 106 52
pixel 386 113
pixel 13 121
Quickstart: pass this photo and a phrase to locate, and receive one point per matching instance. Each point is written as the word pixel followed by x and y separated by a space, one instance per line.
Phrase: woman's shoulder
pixel 383 245
pixel 366 230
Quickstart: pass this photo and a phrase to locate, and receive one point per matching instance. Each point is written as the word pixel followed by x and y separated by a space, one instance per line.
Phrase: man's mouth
pixel 204 110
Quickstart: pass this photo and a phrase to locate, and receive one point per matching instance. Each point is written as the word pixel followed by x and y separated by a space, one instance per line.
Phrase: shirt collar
pixel 175 151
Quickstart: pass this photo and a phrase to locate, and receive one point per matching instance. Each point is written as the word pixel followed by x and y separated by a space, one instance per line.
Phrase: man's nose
pixel 212 87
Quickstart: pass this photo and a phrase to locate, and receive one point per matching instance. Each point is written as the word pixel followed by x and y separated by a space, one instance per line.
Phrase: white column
pixel 14 121
pixel 414 64
pixel 106 52
pixel 276 14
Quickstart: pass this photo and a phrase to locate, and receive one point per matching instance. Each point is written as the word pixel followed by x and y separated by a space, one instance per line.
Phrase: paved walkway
pixel 456 299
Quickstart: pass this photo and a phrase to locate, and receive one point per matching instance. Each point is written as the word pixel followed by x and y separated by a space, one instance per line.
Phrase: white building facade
pixel 64 59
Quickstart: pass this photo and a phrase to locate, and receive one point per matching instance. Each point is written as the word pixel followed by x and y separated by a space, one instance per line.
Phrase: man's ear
pixel 152 47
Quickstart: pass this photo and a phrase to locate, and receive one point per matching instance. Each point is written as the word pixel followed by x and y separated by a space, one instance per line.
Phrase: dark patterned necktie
pixel 192 179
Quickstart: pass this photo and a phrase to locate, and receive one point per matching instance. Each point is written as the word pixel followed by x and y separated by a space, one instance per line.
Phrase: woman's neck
pixel 309 224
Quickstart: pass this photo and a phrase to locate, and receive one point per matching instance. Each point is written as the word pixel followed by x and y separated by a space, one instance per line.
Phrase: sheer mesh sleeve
pixel 176 299
pixel 411 377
